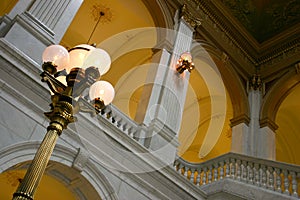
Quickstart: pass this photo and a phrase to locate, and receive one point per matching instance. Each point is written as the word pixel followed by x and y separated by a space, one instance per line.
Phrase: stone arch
pixel 232 82
pixel 18 156
pixel 161 13
pixel 275 96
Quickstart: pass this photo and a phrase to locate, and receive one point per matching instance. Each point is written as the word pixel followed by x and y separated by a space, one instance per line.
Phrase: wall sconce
pixel 185 63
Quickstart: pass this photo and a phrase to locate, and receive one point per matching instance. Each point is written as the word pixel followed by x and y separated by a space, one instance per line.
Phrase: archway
pixel 85 182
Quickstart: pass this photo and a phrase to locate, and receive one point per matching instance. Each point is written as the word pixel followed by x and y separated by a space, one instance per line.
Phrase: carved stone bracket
pixel 189 18
pixel 255 82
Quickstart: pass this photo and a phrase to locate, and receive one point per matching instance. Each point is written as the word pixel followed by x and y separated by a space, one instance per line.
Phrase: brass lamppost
pixel 83 64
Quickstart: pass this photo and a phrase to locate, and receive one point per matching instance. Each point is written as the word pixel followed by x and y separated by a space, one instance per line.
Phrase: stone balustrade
pixel 275 176
pixel 120 120
pixel 271 175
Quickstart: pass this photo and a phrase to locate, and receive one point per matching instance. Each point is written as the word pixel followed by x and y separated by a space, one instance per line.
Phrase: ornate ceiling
pixel 264 19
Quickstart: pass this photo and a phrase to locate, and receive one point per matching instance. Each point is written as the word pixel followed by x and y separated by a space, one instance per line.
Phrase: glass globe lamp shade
pixel 57 55
pixel 186 56
pixel 97 58
pixel 102 90
pixel 77 56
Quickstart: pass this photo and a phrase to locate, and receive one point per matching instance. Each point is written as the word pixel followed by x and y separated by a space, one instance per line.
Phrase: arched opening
pixel 281 107
pixel 206 131
pixel 287 134
pixel 59 182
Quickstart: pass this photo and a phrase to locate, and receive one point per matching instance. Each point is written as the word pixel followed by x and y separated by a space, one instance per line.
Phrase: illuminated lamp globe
pixel 186 56
pixel 57 55
pixel 97 58
pixel 102 90
pixel 77 55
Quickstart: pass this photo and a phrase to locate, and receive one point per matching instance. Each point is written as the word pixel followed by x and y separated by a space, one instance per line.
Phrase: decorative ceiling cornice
pixel 220 23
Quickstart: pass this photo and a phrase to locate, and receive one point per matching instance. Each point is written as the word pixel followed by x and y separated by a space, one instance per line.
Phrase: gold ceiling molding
pixel 280 49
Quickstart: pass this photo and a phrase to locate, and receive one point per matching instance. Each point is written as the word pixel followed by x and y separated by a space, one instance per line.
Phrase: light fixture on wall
pixel 83 72
pixel 185 63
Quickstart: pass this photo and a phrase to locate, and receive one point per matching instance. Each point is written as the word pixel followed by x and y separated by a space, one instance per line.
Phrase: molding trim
pixel 269 123
pixel 239 120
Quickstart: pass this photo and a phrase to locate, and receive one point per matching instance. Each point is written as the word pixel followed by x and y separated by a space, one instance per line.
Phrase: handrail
pixel 272 175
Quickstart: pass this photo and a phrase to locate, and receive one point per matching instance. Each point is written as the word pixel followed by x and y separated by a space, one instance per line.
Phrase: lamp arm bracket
pixel 55 86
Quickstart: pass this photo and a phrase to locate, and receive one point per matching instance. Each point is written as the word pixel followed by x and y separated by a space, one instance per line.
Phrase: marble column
pixel 161 110
pixel 33 25
pixel 253 136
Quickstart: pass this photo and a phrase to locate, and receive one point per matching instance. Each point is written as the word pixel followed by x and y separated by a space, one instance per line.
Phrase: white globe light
pixel 57 55
pixel 97 58
pixel 186 56
pixel 78 55
pixel 102 90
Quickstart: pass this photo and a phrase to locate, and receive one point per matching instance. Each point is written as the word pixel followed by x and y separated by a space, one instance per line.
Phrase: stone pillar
pixel 267 140
pixel 36 24
pixel 161 111
pixel 254 137
pixel 255 99
pixel 240 128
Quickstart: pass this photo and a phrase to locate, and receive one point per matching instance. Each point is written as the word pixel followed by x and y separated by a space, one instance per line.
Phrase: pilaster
pixel 253 136
pixel 33 25
pixel 161 111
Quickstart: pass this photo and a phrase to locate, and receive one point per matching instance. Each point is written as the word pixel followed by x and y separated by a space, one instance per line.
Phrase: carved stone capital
pixel 189 18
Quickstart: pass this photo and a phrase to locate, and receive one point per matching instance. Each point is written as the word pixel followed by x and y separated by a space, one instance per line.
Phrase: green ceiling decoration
pixel 265 18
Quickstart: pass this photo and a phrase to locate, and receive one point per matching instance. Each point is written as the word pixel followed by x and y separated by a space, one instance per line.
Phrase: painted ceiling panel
pixel 264 19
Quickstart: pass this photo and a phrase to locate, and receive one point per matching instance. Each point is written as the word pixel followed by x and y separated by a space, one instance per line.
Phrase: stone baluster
pixel 185 172
pixel 286 182
pixel 238 170
pixel 244 171
pixel 210 174
pixel 294 184
pixel 278 180
pixel 263 176
pixel 176 165
pixel 130 131
pixel 192 176
pixel 227 172
pixel 216 167
pixel 270 184
pixel 204 176
pixel 250 173
pixel 180 169
pixel 221 170
pixel 232 168
pixel 198 177
pixel 124 126
pixel 256 174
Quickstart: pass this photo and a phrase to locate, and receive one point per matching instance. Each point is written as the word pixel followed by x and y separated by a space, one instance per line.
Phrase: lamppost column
pixel 60 116
pixel 36 170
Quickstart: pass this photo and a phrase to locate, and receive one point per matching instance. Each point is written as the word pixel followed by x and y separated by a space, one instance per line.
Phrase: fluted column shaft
pixel 37 168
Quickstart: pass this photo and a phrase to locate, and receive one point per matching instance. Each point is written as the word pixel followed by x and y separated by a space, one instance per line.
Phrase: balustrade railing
pixel 272 175
pixel 276 176
pixel 120 120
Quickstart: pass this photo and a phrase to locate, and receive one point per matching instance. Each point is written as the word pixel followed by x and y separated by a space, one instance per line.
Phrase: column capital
pixel 188 17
